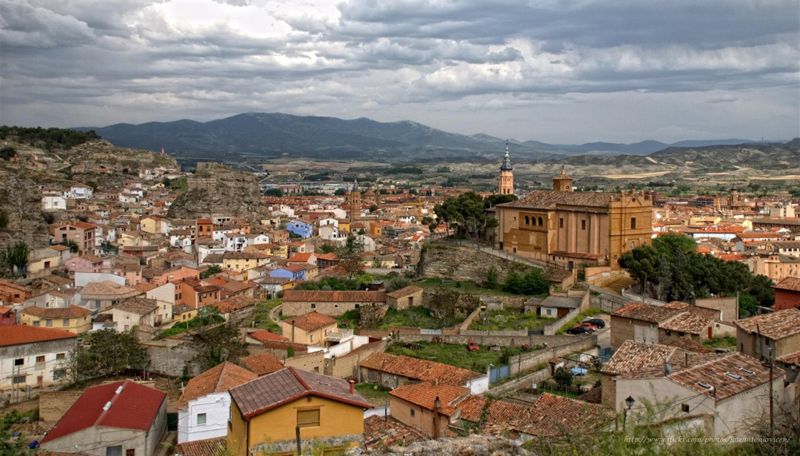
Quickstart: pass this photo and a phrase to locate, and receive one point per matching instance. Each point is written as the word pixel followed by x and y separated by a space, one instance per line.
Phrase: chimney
pixel 292 330
pixel 352 386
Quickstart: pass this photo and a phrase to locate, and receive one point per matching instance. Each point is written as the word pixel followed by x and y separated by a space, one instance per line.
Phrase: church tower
pixel 354 199
pixel 506 175
pixel 562 182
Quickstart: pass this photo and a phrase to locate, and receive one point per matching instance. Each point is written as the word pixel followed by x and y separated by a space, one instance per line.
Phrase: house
pixel 259 337
pixel 119 418
pixel 303 258
pixel 195 293
pixel 102 295
pixel 74 319
pixel 720 397
pixel 405 297
pixel 332 303
pixel 769 336
pixel 89 263
pixel 392 371
pixel 426 406
pixel 7 316
pixel 302 229
pixel 309 329
pixel 262 363
pixel 631 357
pixel 81 233
pixel 183 313
pixel 204 407
pixel 31 356
pixel 80 191
pixel 558 306
pixel 43 260
pixel 292 272
pixel 13 293
pixel 266 413
pixel 326 260
pixel 242 261
pixel 135 312
pixel 787 293
pixel 53 201
pixel 655 324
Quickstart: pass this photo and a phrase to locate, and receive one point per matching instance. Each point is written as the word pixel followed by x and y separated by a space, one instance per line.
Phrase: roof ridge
pixel 299 379
pixel 220 376
pixel 111 401
pixel 704 363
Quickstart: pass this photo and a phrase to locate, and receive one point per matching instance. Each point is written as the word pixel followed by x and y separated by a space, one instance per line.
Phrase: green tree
pixel 563 377
pixel 73 246
pixel 108 353
pixel 340 192
pixel 273 192
pixel 761 289
pixel 15 257
pixel 213 269
pixel 494 200
pixel 217 345
pixel 748 305
pixel 373 208
pixel 492 277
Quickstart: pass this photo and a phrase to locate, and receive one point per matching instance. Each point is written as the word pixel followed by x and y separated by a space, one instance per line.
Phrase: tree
pixel 494 200
pixel 213 269
pixel 748 305
pixel 274 192
pixel 340 192
pixel 373 208
pixel 563 377
pixel 7 153
pixel 73 246
pixel 15 257
pixel 377 263
pixel 492 277
pixel 531 282
pixel 217 345
pixel 762 291
pixel 109 353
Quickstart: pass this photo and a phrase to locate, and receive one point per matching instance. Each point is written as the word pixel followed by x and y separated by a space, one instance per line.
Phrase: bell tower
pixel 506 175
pixel 562 182
pixel 354 199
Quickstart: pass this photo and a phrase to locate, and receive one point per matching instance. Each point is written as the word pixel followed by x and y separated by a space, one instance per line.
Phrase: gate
pixel 498 373
pixel 604 354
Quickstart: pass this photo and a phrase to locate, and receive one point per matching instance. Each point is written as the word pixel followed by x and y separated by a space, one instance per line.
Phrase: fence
pixel 526 381
pixel 499 373
pixel 527 361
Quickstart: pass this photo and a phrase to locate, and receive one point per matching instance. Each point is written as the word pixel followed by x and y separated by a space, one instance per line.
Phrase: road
pixel 274 314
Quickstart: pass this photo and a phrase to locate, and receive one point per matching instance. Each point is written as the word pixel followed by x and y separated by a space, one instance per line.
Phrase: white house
pixel 34 356
pixel 53 201
pixel 204 407
pixel 80 191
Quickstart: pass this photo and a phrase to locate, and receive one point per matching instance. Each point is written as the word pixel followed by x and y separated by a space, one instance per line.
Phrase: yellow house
pixel 242 261
pixel 151 224
pixel 74 319
pixel 309 329
pixel 182 312
pixel 42 259
pixel 267 412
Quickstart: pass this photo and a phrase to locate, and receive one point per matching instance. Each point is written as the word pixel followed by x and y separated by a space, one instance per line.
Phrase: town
pixel 150 310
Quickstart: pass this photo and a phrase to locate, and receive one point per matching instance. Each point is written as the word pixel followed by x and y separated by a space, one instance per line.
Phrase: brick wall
pixel 311 362
pixel 504 341
pixel 621 330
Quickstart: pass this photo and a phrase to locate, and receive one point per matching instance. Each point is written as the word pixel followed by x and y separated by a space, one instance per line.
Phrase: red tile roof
pixel 632 356
pixel 645 312
pixel 419 369
pixel 21 334
pixel 789 284
pixel 218 379
pixel 206 447
pixel 135 407
pixel 728 376
pixel 262 363
pixel 775 325
pixel 311 321
pixel 287 385
pixel 425 394
pixel 265 335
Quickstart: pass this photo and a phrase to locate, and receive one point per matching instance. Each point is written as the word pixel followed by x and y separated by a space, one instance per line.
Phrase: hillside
pixel 278 135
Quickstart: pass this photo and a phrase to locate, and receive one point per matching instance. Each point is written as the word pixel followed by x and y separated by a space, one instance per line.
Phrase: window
pixel 561 223
pixel 114 450
pixel 18 379
pixel 308 418
pixel 540 222
pixel 65 322
pixel 633 223
pixel 313 306
pixel 35 323
pixel 19 362
pixel 311 338
pixel 49 323
pixel 685 408
pixel 201 419
pixel 40 359
pixel 58 374
pixel 583 224
pixel 527 220
pixel 413 412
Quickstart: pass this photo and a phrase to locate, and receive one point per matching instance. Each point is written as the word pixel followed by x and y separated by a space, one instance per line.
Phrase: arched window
pixel 527 220
pixel 540 222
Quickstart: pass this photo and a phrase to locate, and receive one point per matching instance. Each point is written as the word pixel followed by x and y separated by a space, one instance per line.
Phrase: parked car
pixel 578 371
pixel 473 346
pixel 589 326
pixel 597 322
pixel 578 330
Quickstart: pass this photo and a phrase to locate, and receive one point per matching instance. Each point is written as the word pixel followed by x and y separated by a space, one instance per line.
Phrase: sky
pixel 558 71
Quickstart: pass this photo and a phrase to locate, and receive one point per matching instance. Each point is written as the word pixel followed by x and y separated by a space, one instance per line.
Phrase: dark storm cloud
pixel 86 62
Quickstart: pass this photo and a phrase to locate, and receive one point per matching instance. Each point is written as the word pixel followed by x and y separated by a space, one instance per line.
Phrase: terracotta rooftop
pixel 22 334
pixel 205 447
pixel 645 312
pixel 244 256
pixel 139 306
pixel 218 379
pixel 265 335
pixel 788 283
pixel 550 200
pixel 403 292
pixel 774 325
pixel 419 369
pixel 289 384
pixel 97 290
pixel 726 376
pixel 333 296
pixel 425 394
pixel 56 313
pixel 311 321
pixel 262 363
pixel 632 356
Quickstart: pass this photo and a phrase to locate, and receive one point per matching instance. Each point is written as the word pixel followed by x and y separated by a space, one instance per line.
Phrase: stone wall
pixel 166 359
pixel 503 341
pixel 528 361
pixel 311 362
pixel 526 381
pixel 347 366
pixel 458 263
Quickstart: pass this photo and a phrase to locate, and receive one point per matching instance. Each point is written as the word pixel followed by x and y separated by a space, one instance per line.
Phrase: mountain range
pixel 278 135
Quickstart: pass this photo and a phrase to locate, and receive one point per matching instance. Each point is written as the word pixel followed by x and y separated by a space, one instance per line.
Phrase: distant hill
pixel 277 134
pixel 774 156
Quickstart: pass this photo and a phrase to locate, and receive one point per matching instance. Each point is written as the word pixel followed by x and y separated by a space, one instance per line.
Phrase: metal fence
pixel 498 373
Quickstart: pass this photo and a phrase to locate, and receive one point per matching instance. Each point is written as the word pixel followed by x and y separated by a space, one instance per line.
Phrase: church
pixel 566 228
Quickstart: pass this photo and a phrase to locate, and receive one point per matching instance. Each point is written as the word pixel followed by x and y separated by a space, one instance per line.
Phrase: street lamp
pixel 629 403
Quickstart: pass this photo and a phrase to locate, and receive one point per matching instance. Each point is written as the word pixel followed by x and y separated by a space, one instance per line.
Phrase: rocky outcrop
pixel 21 203
pixel 215 190
pixel 441 261
pixel 473 445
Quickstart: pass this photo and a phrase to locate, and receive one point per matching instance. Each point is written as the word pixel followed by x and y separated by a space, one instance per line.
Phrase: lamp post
pixel 629 403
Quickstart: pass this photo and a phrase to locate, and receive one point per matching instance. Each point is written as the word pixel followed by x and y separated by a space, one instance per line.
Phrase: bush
pixel 563 377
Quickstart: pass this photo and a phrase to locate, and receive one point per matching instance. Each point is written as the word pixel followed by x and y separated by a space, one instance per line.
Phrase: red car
pixel 588 326
pixel 473 346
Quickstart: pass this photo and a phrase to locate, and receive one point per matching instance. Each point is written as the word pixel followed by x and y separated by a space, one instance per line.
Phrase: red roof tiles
pixel 311 321
pixel 20 334
pixel 419 369
pixel 218 379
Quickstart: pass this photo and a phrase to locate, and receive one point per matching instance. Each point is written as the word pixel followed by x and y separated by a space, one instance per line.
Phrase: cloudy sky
pixel 551 70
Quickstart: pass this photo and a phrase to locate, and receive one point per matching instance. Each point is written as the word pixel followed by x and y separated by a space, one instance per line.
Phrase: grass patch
pixel 417 317
pixel 261 315
pixel 590 312
pixel 378 398
pixel 457 355
pixel 720 342
pixel 463 286
pixel 508 319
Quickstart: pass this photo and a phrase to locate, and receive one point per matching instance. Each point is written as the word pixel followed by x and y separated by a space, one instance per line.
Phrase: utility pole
pixel 771 398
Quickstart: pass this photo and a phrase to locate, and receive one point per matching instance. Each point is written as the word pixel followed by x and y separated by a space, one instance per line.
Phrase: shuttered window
pixel 308 418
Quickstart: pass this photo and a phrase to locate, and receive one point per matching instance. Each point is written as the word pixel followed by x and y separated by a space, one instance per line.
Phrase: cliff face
pixel 215 190
pixel 21 202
